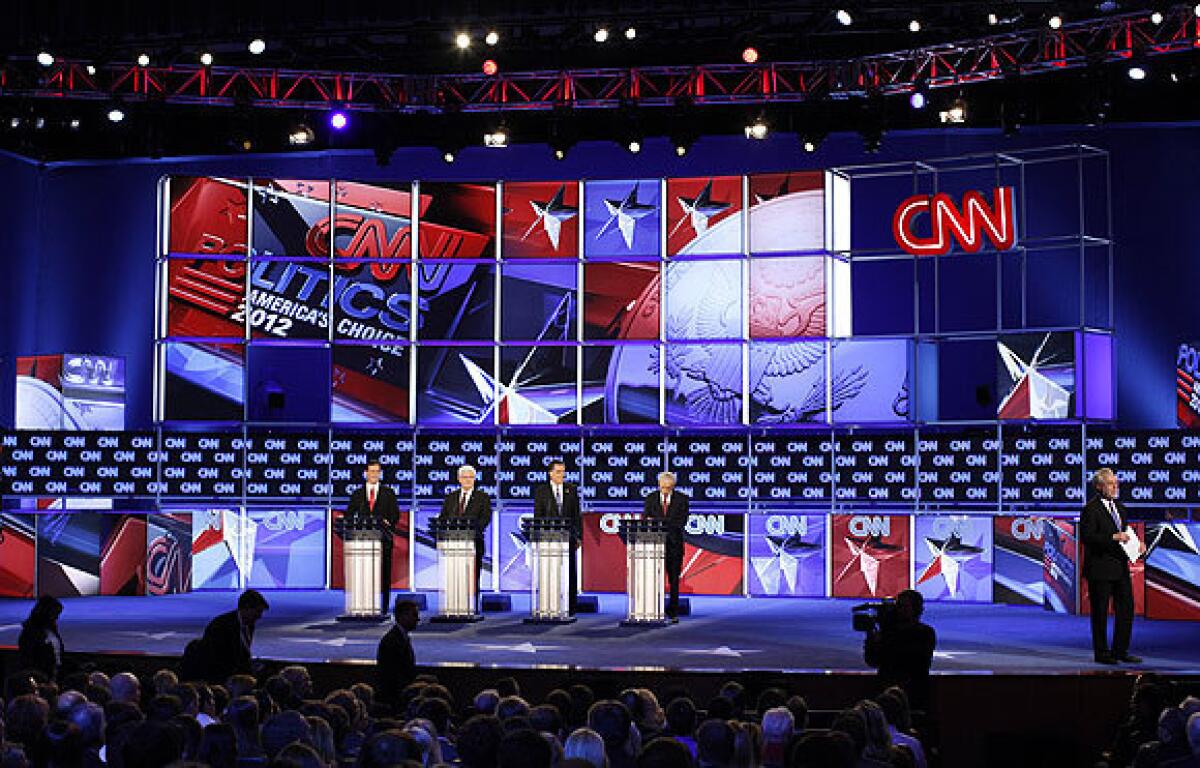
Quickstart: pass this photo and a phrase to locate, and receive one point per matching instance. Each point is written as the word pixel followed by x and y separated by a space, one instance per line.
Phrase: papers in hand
pixel 1131 545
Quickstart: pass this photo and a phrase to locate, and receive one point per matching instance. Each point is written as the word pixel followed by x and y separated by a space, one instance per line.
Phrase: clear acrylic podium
pixel 362 548
pixel 645 553
pixel 550 548
pixel 457 594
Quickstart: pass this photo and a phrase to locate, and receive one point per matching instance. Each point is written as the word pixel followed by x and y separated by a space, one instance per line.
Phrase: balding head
pixel 125 687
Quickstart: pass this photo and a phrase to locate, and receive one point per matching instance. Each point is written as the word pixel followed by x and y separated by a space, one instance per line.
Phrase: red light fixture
pixel 490 67
pixel 750 55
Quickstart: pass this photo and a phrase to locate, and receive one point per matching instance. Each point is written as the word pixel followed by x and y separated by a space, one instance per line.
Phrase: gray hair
pixel 778 723
pixel 666 473
pixel 586 745
pixel 465 469
pixel 1099 475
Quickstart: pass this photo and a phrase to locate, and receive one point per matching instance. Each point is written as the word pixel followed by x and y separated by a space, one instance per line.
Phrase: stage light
pixel 116 115
pixel 917 100
pixel 560 154
pixel 757 129
pixel 492 38
pixel 1136 72
pixel 634 146
pixel 206 59
pixel 914 25
pixel 301 135
pixel 91 69
pixel 14 122
pixel 750 55
pixel 681 150
pixel 448 156
pixel 46 59
pixel 1196 10
pixel 601 35
pixel 338 120
pixel 39 123
pixel 73 123
pixel 143 60
pixel 810 145
pixel 497 138
pixel 462 40
pixel 993 19
pixel 257 46
pixel 1156 18
pixel 490 67
pixel 1055 22
pixel 844 18
pixel 630 33
pixel 1174 76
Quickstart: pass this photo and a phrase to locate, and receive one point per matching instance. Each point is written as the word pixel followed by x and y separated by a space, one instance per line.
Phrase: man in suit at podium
pixel 376 500
pixel 558 498
pixel 471 503
pixel 1102 527
pixel 670 505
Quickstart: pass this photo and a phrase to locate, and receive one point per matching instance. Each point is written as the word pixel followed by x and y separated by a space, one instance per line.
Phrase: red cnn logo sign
pixel 967 225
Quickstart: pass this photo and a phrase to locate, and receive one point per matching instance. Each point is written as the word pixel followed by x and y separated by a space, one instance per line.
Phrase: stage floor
pixel 723 634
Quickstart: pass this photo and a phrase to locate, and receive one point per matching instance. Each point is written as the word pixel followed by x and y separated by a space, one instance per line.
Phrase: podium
pixel 362 548
pixel 645 555
pixel 550 547
pixel 456 570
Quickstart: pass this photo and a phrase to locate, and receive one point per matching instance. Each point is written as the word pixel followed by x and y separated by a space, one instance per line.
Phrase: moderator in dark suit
pixel 546 505
pixel 1106 568
pixel 396 664
pixel 385 507
pixel 228 639
pixel 675 512
pixel 478 508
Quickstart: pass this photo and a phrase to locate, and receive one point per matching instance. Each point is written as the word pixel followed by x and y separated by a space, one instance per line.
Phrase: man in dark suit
pixel 1102 529
pixel 558 498
pixel 376 500
pixel 672 506
pixel 226 645
pixel 396 665
pixel 474 504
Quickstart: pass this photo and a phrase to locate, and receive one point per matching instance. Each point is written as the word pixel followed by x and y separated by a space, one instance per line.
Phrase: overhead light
pixel 143 60
pixel 14 122
pixel 116 115
pixel 560 153
pixel 917 99
pixel 492 37
pixel 993 19
pixel 39 123
pixel 338 120
pixel 601 35
pixel 462 40
pixel 301 135
pixel 206 59
pixel 1156 18
pixel 257 46
pixel 1136 72
pixel 73 123
pixel 490 67
pixel 844 18
pixel 1174 76
pixel 810 144
pixel 750 54
pixel 448 156
pixel 46 59
pixel 956 113
pixel 497 138
pixel 1196 10
pixel 914 25
pixel 1055 21
pixel 630 33
pixel 757 129
pixel 634 146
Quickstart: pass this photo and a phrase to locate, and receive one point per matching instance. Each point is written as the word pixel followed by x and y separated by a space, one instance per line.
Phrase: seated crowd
pixel 89 719
pixel 1161 729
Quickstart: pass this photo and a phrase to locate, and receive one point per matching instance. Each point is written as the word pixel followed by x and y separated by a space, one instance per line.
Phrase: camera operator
pixel 901 647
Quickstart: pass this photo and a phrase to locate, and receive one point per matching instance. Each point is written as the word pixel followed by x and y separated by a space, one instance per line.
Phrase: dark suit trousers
pixel 674 564
pixel 1120 591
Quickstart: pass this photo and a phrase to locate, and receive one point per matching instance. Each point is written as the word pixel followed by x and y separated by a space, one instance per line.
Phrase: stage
pixel 723 634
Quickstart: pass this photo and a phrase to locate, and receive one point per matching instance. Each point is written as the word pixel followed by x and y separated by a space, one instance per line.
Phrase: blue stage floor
pixel 730 634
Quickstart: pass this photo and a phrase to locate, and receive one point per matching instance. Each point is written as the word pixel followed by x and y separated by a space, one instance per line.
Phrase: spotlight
pixel 914 25
pixel 681 150
pixel 1055 22
pixel 143 60
pixel 73 123
pixel 116 115
pixel 1196 10
pixel 301 135
pixel 14 122
pixel 497 138
pixel 634 146
pixel 630 33
pixel 1136 72
pixel 993 19
pixel 39 123
pixel 91 69
pixel 206 59
pixel 750 55
pixel 338 120
pixel 844 18
pixel 682 142
pixel 492 38
pixel 757 129
pixel 956 114
pixel 1156 18
pixel 601 35
pixel 257 46
pixel 810 144
pixel 917 100
pixel 490 67
pixel 1174 76
pixel 46 59
pixel 448 156
pixel 462 40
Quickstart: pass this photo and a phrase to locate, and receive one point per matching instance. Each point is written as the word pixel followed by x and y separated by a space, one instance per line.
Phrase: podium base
pixel 549 620
pixel 663 622
pixel 363 618
pixel 467 619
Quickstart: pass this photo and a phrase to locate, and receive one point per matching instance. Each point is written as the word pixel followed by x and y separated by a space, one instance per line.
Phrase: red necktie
pixel 371 499
pixel 462 502
pixel 665 500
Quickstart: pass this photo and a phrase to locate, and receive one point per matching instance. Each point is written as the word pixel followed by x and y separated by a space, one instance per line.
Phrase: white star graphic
pixel 699 210
pixel 332 642
pixel 720 650
pixel 155 635
pixel 941 563
pixel 525 647
pixel 626 213
pixel 551 215
pixel 867 564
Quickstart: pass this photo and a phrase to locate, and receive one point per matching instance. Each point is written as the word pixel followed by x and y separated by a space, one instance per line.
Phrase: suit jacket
pixel 385 504
pixel 35 650
pixel 396 665
pixel 677 513
pixel 544 505
pixel 225 653
pixel 1103 558
pixel 479 509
